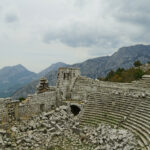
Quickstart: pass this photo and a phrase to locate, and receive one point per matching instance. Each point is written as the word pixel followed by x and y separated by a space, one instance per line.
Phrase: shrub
pixel 122 75
pixel 21 99
pixel 137 63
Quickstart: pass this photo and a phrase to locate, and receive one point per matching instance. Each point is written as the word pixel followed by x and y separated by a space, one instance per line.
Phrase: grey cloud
pixel 10 18
pixel 73 38
pixel 80 35
pixel 81 3
pixel 126 14
pixel 135 12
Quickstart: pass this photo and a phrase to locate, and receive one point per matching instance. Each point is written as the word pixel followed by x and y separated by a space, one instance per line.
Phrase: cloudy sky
pixel 37 33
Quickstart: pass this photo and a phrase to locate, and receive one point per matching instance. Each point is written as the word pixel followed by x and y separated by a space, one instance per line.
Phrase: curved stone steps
pixel 146 101
pixel 102 115
pixel 142 118
pixel 145 114
pixel 98 120
pixel 145 131
pixel 121 114
pixel 122 111
pixel 145 104
pixel 87 122
pixel 140 111
pixel 109 105
pixel 117 101
pixel 108 108
pixel 142 141
pixel 100 94
pixel 144 108
pixel 113 109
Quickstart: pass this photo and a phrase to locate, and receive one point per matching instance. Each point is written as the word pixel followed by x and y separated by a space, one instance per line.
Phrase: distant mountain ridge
pixel 51 68
pixel 94 68
pixel 12 78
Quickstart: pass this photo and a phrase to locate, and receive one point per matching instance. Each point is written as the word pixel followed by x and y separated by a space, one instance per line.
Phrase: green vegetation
pixel 128 75
pixel 21 99
pixel 137 63
pixel 122 75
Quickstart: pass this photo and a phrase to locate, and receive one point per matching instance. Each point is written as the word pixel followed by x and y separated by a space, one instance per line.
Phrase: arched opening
pixel 75 109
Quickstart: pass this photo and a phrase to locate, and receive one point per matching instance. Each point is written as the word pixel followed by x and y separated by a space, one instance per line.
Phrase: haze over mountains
pixel 93 68
pixel 14 77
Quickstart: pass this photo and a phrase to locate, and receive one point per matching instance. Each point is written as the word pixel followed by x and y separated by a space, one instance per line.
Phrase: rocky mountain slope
pixel 31 87
pixel 12 78
pixel 15 77
pixel 98 67
pixel 51 68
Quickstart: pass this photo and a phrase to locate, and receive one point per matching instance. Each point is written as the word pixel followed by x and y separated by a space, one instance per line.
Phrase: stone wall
pixel 38 103
pixel 65 81
pixel 85 86
pixel 11 110
pixel 2 110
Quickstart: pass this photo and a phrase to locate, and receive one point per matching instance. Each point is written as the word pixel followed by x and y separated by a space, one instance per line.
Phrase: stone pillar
pixel 65 80
pixel 12 111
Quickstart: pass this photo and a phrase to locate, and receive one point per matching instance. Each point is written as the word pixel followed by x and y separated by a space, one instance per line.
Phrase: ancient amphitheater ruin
pixel 125 105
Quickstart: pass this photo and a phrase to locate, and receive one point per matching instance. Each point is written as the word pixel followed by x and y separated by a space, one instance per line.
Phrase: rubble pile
pixel 60 130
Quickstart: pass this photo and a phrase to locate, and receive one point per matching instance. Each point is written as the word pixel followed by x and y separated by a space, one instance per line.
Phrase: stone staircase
pixel 122 111
pixel 144 82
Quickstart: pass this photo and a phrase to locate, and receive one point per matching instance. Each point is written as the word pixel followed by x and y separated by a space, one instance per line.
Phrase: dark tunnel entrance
pixel 75 109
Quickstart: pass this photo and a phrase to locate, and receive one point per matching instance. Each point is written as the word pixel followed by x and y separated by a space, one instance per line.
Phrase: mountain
pixel 98 67
pixel 124 58
pixel 50 73
pixel 12 78
pixel 51 68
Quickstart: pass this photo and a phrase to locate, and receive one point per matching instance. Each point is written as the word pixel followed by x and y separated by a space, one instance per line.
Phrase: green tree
pixel 138 74
pixel 110 75
pixel 137 63
pixel 21 99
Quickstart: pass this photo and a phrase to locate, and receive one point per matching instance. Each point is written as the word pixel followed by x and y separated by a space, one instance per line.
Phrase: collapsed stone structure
pixel 43 86
pixel 59 129
pixel 124 105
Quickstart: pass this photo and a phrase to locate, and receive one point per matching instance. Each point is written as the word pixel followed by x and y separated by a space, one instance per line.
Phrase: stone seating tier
pixel 122 111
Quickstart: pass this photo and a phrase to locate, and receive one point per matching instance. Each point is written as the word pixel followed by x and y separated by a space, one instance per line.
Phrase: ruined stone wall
pixel 38 103
pixel 85 86
pixel 26 110
pixel 2 110
pixel 65 81
pixel 14 110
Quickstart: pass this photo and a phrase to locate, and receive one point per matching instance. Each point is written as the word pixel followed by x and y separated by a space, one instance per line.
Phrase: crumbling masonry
pixel 124 105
